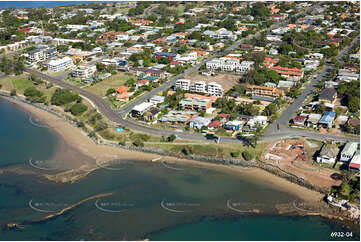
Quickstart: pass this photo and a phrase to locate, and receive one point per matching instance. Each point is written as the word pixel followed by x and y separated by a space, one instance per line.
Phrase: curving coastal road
pixel 272 132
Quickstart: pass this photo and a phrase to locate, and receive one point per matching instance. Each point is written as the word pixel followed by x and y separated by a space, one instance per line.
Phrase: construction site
pixel 296 156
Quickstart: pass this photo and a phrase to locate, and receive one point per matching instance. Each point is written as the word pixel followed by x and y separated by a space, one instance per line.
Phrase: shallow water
pixel 149 200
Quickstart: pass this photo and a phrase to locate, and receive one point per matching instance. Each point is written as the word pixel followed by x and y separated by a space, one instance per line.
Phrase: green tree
pixel 247 155
pixel 78 108
pixel 63 96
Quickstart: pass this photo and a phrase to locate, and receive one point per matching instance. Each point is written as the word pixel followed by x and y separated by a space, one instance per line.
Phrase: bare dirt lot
pixel 295 156
pixel 226 80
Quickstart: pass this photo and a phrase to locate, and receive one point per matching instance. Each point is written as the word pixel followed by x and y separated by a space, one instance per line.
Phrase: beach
pixel 77 152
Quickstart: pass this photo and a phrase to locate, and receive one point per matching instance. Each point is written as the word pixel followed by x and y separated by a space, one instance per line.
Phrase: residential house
pixel 168 55
pixel 328 95
pixel 347 75
pixel 157 99
pixel 174 116
pixel 140 109
pixel 234 125
pixel 256 120
pixel 148 72
pixel 327 119
pixel 354 123
pixel 328 154
pixel 355 161
pixel 285 85
pixel 348 151
pixel 122 89
pixel 214 125
pixel 299 120
pixel 313 119
pixel 199 122
pixel 152 114
pixel 143 82
pixel 124 96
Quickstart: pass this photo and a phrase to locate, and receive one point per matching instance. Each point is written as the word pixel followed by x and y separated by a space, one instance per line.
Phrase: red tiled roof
pixel 355 165
pixel 224 115
pixel 287 71
pixel 300 118
pixel 175 63
pixel 143 81
pixel 215 124
pixel 122 89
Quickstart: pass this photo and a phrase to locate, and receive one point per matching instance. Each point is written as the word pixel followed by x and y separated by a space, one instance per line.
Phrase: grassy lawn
pixel 113 81
pixel 21 83
pixel 220 150
pixel 123 10
pixel 75 81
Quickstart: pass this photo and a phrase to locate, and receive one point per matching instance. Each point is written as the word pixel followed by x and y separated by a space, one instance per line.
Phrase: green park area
pixel 113 81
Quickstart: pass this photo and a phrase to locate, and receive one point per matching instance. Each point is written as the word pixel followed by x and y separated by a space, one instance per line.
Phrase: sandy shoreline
pixel 76 150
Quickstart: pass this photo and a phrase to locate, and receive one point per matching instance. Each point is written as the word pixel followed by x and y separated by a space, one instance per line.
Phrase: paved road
pixel 290 112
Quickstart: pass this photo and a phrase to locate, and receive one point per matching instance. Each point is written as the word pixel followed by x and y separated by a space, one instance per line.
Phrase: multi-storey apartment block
pixel 60 64
pixel 84 71
pixel 199 86
pixel 41 53
pixel 183 84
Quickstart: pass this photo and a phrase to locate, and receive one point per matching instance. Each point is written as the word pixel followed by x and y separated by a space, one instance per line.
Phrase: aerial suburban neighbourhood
pixel 273 84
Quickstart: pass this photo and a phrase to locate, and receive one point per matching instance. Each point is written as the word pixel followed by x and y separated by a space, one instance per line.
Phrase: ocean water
pixel 148 200
pixel 19 139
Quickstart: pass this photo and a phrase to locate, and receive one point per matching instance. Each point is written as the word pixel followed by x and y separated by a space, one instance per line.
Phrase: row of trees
pixel 12 65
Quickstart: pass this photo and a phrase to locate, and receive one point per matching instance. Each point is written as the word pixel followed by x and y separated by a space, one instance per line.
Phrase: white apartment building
pixel 183 84
pixel 77 27
pixel 41 53
pixel 84 71
pixel 214 89
pixel 199 86
pixel 123 37
pixel 229 64
pixel 60 64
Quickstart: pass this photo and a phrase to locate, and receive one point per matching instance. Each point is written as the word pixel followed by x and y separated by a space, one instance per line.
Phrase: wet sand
pixel 77 152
